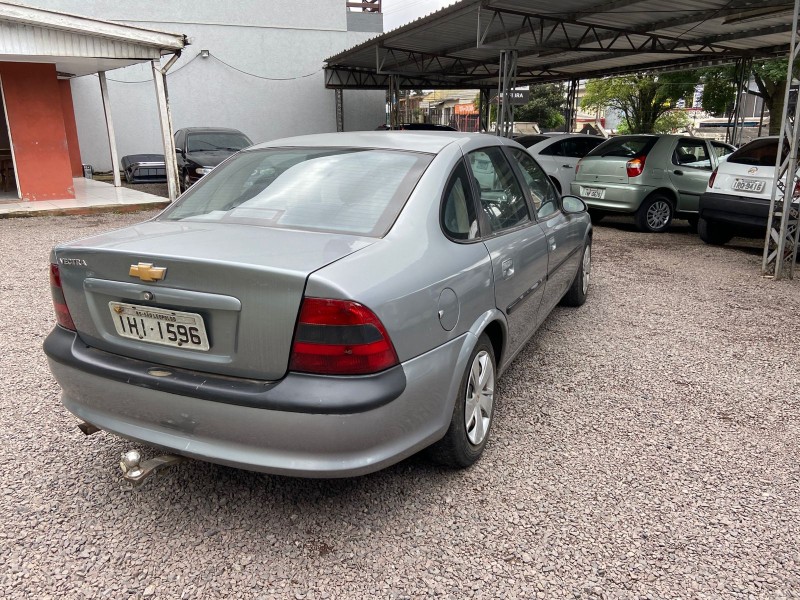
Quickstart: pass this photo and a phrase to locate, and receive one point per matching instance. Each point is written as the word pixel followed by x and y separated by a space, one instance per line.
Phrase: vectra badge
pixel 147 272
pixel 78 262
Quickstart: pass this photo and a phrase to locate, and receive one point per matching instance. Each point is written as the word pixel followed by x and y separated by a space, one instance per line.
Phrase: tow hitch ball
pixel 136 471
pixel 133 469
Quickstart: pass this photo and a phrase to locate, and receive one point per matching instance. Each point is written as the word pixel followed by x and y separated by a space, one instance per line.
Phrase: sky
pixel 400 12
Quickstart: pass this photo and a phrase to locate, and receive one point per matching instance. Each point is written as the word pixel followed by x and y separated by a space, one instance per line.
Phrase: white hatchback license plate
pixel 159 326
pixel 591 192
pixel 748 185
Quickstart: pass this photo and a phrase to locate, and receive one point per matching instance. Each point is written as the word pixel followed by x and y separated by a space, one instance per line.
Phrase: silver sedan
pixel 320 306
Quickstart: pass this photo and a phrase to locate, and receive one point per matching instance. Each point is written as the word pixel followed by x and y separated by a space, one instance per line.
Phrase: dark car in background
pixel 200 149
pixel 417 127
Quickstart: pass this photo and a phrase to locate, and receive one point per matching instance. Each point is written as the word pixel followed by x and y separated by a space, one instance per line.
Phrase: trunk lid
pixel 602 169
pixel 245 282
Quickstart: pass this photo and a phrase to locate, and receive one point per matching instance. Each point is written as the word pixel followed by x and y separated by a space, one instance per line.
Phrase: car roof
pixel 431 142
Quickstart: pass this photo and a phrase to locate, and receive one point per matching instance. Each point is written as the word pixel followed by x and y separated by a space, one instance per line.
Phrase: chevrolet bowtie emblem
pixel 147 272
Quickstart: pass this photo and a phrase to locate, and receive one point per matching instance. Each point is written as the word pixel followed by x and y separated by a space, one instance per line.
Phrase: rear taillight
pixel 63 317
pixel 340 337
pixel 635 166
pixel 796 189
pixel 712 178
pixel 577 167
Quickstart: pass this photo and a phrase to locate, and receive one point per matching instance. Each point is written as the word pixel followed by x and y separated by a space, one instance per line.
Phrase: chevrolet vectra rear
pixel 301 310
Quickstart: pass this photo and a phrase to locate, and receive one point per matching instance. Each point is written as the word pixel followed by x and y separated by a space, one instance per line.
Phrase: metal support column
pixel 112 140
pixel 780 245
pixel 506 84
pixel 165 119
pixel 339 95
pixel 744 67
pixel 484 110
pixel 394 101
pixel 572 98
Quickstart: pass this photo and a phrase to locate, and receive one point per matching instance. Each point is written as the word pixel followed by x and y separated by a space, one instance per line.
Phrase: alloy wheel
pixel 658 215
pixel 480 398
pixel 587 267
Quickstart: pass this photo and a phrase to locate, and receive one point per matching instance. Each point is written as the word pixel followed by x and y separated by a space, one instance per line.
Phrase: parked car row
pixel 722 191
pixel 654 178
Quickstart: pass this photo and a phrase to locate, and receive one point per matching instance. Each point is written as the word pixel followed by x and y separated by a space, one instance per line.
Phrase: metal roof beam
pixel 397 61
pixel 341 77
pixel 544 27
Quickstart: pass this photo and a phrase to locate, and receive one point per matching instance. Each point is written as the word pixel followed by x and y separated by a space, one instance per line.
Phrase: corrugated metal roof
pixel 459 46
pixel 78 45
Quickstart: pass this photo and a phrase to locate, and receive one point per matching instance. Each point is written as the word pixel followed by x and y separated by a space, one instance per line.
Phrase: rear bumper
pixel 306 444
pixel 623 198
pixel 737 211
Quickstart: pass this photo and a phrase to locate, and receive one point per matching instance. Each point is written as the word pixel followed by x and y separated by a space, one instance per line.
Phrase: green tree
pixel 545 107
pixel 770 78
pixel 672 121
pixel 719 89
pixel 641 98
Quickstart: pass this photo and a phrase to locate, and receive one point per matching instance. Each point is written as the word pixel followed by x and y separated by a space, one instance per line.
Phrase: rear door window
pixel 691 153
pixel 625 147
pixel 501 197
pixel 721 149
pixel 554 149
pixel 582 146
pixel 344 190
pixel 543 194
pixel 458 208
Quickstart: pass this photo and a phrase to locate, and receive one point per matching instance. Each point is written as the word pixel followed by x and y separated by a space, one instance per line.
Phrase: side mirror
pixel 179 151
pixel 573 205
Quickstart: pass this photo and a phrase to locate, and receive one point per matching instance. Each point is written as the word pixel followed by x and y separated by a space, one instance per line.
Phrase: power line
pixel 261 76
pixel 230 66
pixel 183 66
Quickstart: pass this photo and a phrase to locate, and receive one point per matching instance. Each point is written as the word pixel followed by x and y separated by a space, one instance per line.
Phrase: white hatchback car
pixel 736 201
pixel 559 153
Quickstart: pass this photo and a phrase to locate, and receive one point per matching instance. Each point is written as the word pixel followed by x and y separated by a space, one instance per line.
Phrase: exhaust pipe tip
pixel 87 428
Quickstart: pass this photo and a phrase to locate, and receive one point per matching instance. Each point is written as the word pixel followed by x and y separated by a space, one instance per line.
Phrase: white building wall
pixel 280 47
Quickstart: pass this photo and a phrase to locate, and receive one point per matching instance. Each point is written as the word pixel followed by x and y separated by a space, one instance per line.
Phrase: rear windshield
pixel 343 190
pixel 529 140
pixel 759 153
pixel 625 147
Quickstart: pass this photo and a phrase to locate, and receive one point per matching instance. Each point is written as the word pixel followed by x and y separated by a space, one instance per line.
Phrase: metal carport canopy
pixel 459 46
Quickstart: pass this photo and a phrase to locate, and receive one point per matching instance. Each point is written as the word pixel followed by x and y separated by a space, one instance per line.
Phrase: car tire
pixel 185 182
pixel 655 214
pixel 473 412
pixel 577 292
pixel 713 233
pixel 596 215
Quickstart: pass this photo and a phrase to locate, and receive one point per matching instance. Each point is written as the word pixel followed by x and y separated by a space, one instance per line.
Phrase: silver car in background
pixel 320 306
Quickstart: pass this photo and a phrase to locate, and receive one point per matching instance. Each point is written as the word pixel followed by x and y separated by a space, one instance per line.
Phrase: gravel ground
pixel 645 446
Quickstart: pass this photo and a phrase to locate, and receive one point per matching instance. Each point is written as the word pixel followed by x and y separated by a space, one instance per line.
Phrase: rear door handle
pixel 568 166
pixel 508 268
pixel 678 172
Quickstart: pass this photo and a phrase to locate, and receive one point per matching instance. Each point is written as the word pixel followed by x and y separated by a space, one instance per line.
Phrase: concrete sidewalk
pixel 90 197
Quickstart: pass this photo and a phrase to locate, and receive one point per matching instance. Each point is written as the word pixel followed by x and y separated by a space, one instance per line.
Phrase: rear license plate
pixel 748 185
pixel 159 326
pixel 590 192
